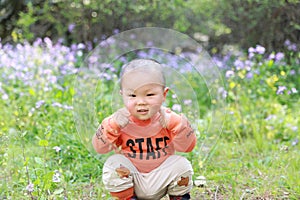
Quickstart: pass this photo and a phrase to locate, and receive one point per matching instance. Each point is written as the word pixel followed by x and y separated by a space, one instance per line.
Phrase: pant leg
pixel 110 178
pixel 181 185
pixel 173 176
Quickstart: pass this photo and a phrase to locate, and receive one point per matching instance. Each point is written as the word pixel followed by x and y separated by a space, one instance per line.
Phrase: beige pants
pixel 173 177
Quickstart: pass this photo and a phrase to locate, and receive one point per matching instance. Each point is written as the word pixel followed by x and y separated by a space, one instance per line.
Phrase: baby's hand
pixel 164 119
pixel 121 117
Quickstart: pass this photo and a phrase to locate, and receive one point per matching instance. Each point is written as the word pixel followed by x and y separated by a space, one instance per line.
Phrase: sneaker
pixel 184 197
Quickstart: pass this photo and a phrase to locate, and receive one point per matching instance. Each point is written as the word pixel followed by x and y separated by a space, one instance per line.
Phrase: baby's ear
pixel 166 90
pixel 121 93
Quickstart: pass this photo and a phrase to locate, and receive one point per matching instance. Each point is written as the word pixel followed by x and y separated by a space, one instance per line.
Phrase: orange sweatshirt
pixel 146 143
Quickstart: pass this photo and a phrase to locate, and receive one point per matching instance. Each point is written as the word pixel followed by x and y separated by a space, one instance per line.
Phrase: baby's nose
pixel 141 101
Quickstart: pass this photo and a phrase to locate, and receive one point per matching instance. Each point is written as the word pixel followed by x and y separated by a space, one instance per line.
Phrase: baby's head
pixel 150 68
pixel 143 87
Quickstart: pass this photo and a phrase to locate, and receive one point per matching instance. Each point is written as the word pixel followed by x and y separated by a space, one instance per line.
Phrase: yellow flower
pixel 232 85
pixel 241 74
pixel 272 80
pixel 282 73
pixel 201 164
pixel 270 135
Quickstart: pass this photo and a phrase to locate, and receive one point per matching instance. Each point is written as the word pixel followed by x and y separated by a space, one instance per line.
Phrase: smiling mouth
pixel 142 110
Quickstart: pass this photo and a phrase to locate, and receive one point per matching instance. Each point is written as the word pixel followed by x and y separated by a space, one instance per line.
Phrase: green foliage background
pixel 246 23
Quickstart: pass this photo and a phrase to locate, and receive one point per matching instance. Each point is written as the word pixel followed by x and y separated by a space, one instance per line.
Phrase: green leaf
pixel 58 191
pixel 38 160
pixel 26 161
pixel 43 143
pixel 47 179
pixel 24 133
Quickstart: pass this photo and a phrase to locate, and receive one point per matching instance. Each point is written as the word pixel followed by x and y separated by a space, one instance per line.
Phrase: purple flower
pixel 142 54
pixel 105 76
pixel 292 72
pixel 71 27
pixel 149 44
pixel 270 117
pixel 123 59
pixel 37 42
pixel 68 107
pixel 5 96
pixel 294 128
pixel 48 42
pixel 30 187
pixel 223 92
pixel 132 36
pixel 249 75
pixel 56 177
pixel 81 46
pixel 93 59
pixel 251 50
pixel 56 104
pixel 239 64
pixel 73 47
pixel 52 79
pixel 293 91
pixel 287 42
pixel 187 102
pixel 279 56
pixel 260 49
pixel 229 73
pixel 39 104
pixel 116 31
pixel 280 90
pixel 290 46
pixel 218 62
pixel 295 142
pixel 248 64
pixel 271 56
pixel 176 107
pixel 251 55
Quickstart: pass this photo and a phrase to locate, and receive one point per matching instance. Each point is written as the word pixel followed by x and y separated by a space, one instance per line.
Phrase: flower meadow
pixel 256 156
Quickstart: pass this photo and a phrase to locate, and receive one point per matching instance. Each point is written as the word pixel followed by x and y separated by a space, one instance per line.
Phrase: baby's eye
pixel 132 95
pixel 150 94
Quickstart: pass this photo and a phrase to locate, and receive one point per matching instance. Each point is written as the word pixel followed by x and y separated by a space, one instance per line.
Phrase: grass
pixel 240 170
pixel 236 170
pixel 255 157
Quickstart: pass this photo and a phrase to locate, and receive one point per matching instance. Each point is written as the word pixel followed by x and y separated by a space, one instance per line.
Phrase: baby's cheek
pixel 129 105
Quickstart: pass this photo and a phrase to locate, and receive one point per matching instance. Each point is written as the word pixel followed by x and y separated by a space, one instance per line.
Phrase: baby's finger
pixel 125 112
pixel 162 118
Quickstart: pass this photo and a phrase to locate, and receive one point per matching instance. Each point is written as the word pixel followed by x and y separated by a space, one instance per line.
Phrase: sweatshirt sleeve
pixel 106 136
pixel 184 137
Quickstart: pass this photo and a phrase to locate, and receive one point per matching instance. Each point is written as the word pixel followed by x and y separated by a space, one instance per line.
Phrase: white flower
pixel 294 90
pixel 176 107
pixel 229 73
pixel 4 96
pixel 187 102
pixel 57 149
pixel 56 177
pixel 30 187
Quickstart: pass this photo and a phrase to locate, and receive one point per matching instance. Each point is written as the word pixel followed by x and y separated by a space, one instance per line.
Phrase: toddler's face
pixel 143 93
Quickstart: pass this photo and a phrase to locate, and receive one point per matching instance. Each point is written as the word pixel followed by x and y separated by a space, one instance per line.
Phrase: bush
pixel 244 23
